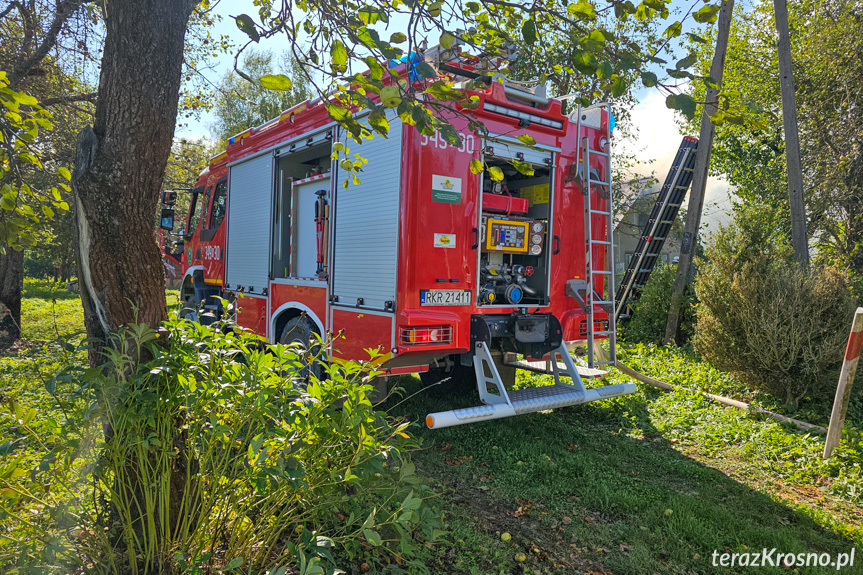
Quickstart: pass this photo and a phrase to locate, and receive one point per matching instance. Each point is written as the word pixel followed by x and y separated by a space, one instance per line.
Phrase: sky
pixel 657 132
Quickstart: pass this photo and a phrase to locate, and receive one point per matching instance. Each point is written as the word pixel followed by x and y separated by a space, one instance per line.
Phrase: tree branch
pixel 65 10
pixel 68 99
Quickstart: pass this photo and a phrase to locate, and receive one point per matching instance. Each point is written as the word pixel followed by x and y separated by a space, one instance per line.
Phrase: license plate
pixel 441 297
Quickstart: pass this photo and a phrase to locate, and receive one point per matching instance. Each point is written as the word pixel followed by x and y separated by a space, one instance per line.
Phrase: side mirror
pixel 169 198
pixel 166 219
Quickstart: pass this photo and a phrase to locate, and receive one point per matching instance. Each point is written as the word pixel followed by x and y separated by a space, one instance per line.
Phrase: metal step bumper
pixel 500 402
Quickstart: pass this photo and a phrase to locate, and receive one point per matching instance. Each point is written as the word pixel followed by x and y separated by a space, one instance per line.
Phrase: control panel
pixel 513 236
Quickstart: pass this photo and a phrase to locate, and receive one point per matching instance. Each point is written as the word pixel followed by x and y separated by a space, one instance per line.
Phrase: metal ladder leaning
pixel 659 225
pixel 605 297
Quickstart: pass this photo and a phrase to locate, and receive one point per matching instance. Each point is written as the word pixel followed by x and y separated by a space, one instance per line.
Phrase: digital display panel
pixel 507 235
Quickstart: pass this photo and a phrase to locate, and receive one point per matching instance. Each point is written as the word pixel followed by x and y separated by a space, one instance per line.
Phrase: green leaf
pixel 247 25
pixel 528 31
pixel 696 38
pixel 619 87
pixel 527 139
pixel 447 40
pixel 65 173
pixel 434 9
pixel 339 55
pixel 707 14
pixel 425 71
pixel 398 38
pixel 596 36
pixel 371 15
pixel 674 30
pixel 276 82
pixel 583 9
pixel 495 173
pixel 648 79
pixel 686 62
pixel 605 71
pixel 476 166
pixel 682 102
pixel 378 121
pixel 233 564
pixel 372 537
pixel 49 213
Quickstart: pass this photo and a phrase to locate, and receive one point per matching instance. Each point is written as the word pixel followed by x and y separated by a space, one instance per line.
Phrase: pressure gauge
pixel 535 250
pixel 537 227
pixel 536 239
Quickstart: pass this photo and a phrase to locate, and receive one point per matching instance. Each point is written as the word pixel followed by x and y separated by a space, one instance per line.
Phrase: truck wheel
pixel 462 380
pixel 190 309
pixel 301 330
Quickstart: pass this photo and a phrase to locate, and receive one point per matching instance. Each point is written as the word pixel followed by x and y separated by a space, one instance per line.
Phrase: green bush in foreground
pixel 774 326
pixel 205 459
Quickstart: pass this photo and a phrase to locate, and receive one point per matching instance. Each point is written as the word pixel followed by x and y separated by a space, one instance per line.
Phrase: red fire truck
pixel 445 272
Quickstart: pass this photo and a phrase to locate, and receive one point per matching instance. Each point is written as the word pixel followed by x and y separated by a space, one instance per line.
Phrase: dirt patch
pixel 541 540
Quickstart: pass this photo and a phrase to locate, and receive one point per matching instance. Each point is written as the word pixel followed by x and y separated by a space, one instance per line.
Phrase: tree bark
pixel 120 164
pixel 799 237
pixel 11 285
pixel 699 177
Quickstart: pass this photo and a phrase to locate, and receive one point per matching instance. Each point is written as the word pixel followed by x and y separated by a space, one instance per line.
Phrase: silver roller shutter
pixel 507 148
pixel 250 186
pixel 365 257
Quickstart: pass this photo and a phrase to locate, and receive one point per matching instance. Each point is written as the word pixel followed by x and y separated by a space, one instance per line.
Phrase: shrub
pixel 773 326
pixel 650 314
pixel 207 459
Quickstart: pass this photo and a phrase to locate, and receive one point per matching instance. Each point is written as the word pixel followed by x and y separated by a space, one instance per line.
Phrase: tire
pixel 462 379
pixel 300 330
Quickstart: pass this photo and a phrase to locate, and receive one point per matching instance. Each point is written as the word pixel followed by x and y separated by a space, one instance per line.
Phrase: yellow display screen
pixel 507 236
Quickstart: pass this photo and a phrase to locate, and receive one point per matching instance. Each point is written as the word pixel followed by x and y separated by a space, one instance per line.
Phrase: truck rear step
pixel 499 402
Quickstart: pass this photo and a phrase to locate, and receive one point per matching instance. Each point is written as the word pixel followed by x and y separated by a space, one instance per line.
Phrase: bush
pixel 207 459
pixel 773 326
pixel 650 312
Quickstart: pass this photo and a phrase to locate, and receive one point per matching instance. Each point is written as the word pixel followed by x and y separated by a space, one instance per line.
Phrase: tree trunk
pixel 119 167
pixel 120 164
pixel 11 285
pixel 699 177
pixel 799 236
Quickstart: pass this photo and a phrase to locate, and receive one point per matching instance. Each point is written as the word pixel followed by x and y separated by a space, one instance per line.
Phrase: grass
pixel 649 483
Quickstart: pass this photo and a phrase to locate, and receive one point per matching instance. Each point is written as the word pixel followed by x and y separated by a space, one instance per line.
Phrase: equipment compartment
pixel 514 255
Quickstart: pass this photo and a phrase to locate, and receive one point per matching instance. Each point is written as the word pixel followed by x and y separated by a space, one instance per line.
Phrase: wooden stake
pixel 699 176
pixel 843 390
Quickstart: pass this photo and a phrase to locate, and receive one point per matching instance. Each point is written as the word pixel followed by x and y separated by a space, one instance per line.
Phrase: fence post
pixel 843 390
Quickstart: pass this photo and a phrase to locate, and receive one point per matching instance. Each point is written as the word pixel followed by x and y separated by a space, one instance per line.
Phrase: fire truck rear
pixel 446 273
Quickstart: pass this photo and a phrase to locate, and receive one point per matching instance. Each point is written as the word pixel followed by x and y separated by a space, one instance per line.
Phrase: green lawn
pixel 651 483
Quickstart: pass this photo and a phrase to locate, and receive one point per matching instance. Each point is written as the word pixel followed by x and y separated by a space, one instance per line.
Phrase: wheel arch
pixel 286 311
pixel 187 288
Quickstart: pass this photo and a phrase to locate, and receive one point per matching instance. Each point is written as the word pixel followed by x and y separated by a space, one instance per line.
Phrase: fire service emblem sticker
pixel 446 189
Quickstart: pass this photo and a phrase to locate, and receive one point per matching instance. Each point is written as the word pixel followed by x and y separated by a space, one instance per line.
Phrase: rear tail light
pixel 426 335
pixel 598 325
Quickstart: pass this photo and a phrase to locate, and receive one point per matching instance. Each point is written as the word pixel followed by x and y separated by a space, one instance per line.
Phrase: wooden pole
pixel 801 425
pixel 846 379
pixel 799 238
pixel 699 177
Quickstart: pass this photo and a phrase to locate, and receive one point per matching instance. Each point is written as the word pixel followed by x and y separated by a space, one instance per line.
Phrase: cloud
pixel 657 137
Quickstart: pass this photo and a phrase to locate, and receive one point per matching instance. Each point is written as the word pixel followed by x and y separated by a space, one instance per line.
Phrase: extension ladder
pixel 659 224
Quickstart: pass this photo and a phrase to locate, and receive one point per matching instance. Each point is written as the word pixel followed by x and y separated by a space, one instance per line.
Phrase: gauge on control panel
pixel 537 227
pixel 536 239
pixel 535 250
